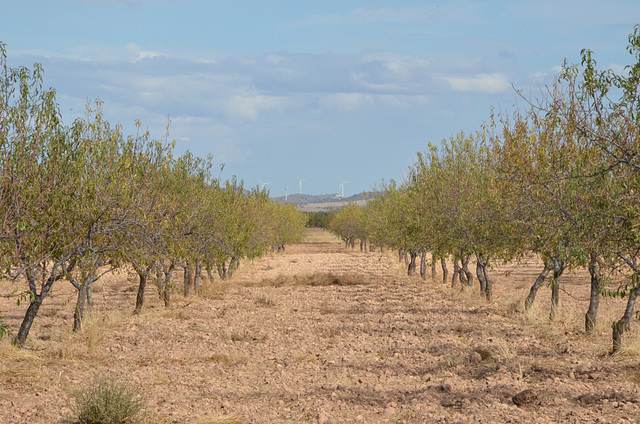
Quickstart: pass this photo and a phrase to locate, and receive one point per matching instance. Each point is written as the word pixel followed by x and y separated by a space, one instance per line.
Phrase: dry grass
pixel 504 351
pixel 320 235
pixel 10 353
pixel 326 308
pixel 224 359
pixel 222 419
pixel 97 328
pixel 313 280
pixel 19 363
pixel 213 289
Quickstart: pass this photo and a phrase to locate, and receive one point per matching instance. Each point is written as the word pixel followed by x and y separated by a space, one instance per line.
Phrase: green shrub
pixel 106 401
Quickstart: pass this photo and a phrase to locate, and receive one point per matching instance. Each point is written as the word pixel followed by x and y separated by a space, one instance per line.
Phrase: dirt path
pixel 284 342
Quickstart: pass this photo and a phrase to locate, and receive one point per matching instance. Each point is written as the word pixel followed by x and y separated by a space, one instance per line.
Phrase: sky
pixel 328 92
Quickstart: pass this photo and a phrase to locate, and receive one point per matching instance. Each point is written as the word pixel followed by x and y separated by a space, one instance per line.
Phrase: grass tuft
pixel 106 401
pixel 264 301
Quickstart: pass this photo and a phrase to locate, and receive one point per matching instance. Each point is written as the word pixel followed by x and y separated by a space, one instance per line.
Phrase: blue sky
pixel 331 91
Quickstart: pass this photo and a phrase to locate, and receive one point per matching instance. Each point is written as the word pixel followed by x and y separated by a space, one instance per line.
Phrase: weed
pixel 451 362
pixel 106 401
pixel 504 351
pixel 264 301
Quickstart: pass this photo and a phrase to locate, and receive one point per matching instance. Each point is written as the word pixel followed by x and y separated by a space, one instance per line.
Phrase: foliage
pixel 319 219
pixel 350 224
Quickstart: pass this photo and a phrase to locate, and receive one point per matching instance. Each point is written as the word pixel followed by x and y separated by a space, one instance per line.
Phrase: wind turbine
pixel 300 182
pixel 262 184
pixel 342 183
pixel 286 193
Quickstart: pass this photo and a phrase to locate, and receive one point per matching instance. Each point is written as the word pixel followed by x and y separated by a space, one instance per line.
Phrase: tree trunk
pixel 196 278
pixel 482 265
pixel 401 256
pixel 488 285
pixel 210 274
pixel 411 267
pixel 480 275
pixel 456 273
pixel 233 266
pixel 594 298
pixel 166 286
pixel 433 267
pixel 623 324
pixel 27 321
pixel 462 277
pixel 558 269
pixel 423 265
pixel 78 314
pixel 222 270
pixel 37 299
pixel 468 276
pixel 140 296
pixel 89 296
pixel 186 279
pixel 445 271
pixel 528 302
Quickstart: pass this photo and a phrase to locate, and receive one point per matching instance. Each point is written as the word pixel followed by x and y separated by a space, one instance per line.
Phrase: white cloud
pixel 481 83
pixel 248 106
pixel 131 52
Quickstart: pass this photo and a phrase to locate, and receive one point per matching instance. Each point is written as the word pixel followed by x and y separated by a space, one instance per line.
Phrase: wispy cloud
pixel 482 83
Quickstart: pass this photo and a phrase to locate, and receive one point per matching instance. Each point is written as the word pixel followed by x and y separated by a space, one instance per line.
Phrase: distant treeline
pixel 319 219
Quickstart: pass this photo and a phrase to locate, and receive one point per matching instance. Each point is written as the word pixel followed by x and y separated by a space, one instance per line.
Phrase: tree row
pixel 558 178
pixel 81 200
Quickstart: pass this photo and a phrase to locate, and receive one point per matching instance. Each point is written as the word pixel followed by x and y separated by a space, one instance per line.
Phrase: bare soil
pixel 321 334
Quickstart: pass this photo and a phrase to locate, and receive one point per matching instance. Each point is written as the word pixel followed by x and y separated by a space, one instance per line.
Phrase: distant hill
pixel 322 202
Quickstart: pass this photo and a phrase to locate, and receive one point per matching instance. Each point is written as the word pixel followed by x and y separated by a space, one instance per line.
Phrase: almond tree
pixel 41 168
pixel 188 177
pixel 603 107
pixel 143 245
pixel 541 161
pixel 106 198
pixel 284 222
pixel 469 213
pixel 347 223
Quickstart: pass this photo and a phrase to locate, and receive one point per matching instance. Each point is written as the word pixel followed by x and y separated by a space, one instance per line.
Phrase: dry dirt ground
pixel 321 334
